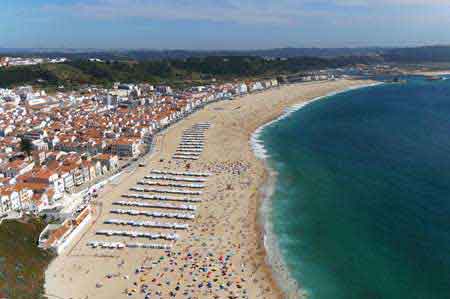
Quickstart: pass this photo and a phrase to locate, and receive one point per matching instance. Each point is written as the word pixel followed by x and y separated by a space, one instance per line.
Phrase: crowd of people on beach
pixel 211 257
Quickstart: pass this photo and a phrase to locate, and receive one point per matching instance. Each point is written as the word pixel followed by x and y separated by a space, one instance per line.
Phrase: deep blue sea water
pixel 361 207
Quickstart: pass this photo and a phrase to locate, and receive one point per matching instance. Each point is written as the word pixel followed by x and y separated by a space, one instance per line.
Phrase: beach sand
pixel 431 73
pixel 221 255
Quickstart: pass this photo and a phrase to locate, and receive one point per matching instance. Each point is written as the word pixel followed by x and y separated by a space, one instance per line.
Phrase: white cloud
pixel 372 3
pixel 249 12
pixel 240 11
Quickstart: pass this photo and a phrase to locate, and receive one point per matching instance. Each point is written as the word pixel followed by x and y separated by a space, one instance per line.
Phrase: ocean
pixel 360 206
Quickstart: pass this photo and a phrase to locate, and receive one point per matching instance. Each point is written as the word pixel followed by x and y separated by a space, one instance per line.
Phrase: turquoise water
pixel 361 208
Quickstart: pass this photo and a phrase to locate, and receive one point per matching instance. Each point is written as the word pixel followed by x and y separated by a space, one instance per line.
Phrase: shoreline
pixel 431 73
pixel 274 257
pixel 220 228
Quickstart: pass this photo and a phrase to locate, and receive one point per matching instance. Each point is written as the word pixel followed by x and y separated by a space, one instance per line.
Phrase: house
pixel 110 161
pixel 242 88
pixel 25 195
pixel 86 169
pixel 10 199
pixel 5 130
pixel 164 89
pixel 39 145
pixel 37 134
pixel 125 147
pixel 72 164
pixel 267 84
pixel 47 177
pixel 54 235
pixel 98 168
pixel 6 205
pixel 78 176
pixel 4 181
pixel 256 86
pixel 75 173
pixel 16 168
pixel 39 202
pixel 4 61
pixel 67 178
pixel 37 189
pixel 39 157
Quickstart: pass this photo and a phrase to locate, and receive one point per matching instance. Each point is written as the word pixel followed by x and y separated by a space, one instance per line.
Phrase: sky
pixel 222 24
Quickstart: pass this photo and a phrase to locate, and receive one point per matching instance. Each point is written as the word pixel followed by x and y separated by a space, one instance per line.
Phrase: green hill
pixel 78 72
pixel 22 263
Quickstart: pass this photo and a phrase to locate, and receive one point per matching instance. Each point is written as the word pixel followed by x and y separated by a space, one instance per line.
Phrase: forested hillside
pixel 78 72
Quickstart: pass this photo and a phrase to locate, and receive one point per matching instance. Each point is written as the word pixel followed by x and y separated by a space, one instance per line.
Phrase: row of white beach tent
pixel 202 124
pixel 196 144
pixel 188 153
pixel 180 185
pixel 186 147
pixel 192 142
pixel 175 178
pixel 199 138
pixel 192 139
pixel 191 149
pixel 194 131
pixel 136 234
pixel 199 145
pixel 185 157
pixel 197 128
pixel 193 180
pixel 186 173
pixel 122 245
pixel 168 206
pixel 193 136
pixel 170 191
pixel 191 146
pixel 153 224
pixel 160 197
pixel 153 214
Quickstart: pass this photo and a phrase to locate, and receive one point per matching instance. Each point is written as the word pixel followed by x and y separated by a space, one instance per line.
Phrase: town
pixel 57 151
pixel 21 61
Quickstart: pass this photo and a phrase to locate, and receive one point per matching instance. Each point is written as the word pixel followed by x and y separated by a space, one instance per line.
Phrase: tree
pixel 26 146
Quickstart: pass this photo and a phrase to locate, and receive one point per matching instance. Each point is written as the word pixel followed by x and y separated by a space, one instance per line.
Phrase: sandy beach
pixel 221 254
pixel 432 73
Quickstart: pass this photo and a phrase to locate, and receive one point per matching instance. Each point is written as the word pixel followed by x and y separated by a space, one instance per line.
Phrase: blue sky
pixel 222 24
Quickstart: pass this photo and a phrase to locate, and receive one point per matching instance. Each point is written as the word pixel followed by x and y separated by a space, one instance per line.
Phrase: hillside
pixel 22 263
pixel 397 55
pixel 175 72
pixel 288 52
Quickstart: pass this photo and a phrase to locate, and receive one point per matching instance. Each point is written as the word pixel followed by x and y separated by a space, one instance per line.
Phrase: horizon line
pixel 215 50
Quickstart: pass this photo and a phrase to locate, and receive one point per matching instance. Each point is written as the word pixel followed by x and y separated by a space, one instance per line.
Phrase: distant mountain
pixel 400 55
pixel 413 55
pixel 183 54
pixel 316 52
pixel 437 54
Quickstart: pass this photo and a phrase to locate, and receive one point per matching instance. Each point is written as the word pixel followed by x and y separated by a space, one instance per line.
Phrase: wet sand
pixel 221 255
